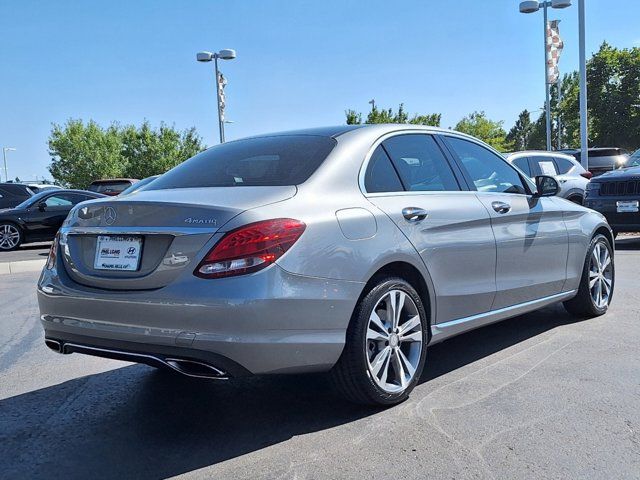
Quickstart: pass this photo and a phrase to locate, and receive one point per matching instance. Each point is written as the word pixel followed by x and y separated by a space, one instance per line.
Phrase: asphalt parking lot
pixel 542 395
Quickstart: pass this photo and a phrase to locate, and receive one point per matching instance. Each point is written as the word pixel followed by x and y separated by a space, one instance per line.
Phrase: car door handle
pixel 501 207
pixel 414 214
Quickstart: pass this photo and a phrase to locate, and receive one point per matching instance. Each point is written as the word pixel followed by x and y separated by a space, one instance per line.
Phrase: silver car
pixel 571 176
pixel 348 249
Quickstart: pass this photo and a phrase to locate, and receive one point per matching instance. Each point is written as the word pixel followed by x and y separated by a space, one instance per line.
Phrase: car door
pixel 410 179
pixel 47 214
pixel 531 237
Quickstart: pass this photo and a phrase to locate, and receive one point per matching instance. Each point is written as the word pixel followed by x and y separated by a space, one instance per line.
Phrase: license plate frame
pixel 118 253
pixel 628 206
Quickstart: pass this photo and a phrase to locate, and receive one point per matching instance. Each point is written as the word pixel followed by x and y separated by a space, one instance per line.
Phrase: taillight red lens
pixel 53 251
pixel 587 175
pixel 250 248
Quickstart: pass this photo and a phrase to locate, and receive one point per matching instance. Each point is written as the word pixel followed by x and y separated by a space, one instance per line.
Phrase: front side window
pixel 420 163
pixel 380 175
pixel 488 171
pixel 264 161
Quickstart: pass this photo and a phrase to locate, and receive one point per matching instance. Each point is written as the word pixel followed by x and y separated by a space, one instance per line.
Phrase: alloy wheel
pixel 9 236
pixel 600 275
pixel 394 341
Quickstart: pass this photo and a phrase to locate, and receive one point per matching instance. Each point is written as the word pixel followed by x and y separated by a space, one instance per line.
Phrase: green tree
pixel 151 151
pixel 613 95
pixel 478 125
pixel 376 115
pixel 613 81
pixel 520 134
pixel 82 152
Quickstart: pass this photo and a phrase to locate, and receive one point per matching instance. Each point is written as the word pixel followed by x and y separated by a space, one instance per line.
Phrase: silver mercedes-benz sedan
pixel 346 249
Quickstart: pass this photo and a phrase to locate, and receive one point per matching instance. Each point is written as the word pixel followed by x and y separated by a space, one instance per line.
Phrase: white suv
pixel 571 176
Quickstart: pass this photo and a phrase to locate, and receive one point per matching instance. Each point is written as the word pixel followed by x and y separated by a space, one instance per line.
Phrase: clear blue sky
pixel 300 63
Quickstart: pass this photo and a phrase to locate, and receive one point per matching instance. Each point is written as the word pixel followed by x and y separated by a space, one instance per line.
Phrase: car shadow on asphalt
pixel 135 422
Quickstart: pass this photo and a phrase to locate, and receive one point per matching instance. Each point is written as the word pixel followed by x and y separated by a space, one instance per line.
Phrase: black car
pixel 616 195
pixel 38 218
pixel 12 194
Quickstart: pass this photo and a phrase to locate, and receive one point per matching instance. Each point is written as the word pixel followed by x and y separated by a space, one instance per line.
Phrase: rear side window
pixel 420 163
pixel 381 176
pixel 265 161
pixel 546 166
pixel 523 164
pixel 563 165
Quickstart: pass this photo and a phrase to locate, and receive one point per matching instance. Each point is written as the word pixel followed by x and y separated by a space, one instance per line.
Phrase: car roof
pixel 336 131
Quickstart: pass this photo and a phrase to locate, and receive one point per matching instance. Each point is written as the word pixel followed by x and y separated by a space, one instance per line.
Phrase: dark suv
pixel 12 194
pixel 616 195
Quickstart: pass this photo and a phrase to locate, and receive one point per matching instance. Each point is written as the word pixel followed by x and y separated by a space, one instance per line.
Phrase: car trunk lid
pixel 171 227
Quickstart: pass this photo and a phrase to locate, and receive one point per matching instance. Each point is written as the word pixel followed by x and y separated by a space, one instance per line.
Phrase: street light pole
pixel 226 54
pixel 4 159
pixel 531 6
pixel 584 137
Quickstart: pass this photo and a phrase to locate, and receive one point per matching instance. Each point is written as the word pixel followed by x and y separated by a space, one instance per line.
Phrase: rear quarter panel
pixel 581 224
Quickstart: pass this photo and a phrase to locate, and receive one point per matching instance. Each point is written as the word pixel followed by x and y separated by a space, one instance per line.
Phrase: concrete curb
pixel 8 268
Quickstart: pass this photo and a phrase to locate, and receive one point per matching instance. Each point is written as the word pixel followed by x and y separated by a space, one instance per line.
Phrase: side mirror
pixel 547 186
pixel 42 206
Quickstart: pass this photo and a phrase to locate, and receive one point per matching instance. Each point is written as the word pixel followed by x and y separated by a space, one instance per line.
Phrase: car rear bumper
pixel 269 322
pixel 621 222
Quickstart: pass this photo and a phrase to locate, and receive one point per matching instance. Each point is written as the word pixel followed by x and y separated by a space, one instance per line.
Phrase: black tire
pixel 14 228
pixel 583 304
pixel 351 375
pixel 576 199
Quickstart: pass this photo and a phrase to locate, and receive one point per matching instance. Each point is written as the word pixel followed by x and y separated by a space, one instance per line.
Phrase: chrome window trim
pixel 408 131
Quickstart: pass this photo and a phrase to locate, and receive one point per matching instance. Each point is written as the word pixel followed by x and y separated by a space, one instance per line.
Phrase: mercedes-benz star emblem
pixel 109 215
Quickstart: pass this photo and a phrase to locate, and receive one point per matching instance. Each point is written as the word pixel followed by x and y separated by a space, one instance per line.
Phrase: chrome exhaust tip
pixel 193 368
pixel 54 345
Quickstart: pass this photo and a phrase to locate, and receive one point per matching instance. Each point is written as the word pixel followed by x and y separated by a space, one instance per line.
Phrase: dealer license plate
pixel 627 206
pixel 121 253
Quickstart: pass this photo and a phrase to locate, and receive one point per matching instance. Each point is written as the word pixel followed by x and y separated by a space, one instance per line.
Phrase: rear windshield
pixel 109 187
pixel 266 161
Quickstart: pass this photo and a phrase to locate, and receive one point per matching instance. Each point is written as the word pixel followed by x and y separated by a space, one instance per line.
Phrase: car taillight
pixel 587 175
pixel 53 251
pixel 250 248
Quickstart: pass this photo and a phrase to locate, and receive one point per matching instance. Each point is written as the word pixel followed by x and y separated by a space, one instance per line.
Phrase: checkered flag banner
pixel 554 49
pixel 222 82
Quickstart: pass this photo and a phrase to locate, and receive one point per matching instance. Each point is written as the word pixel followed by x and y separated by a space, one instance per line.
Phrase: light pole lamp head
pixel 560 3
pixel 227 54
pixel 529 6
pixel 204 56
